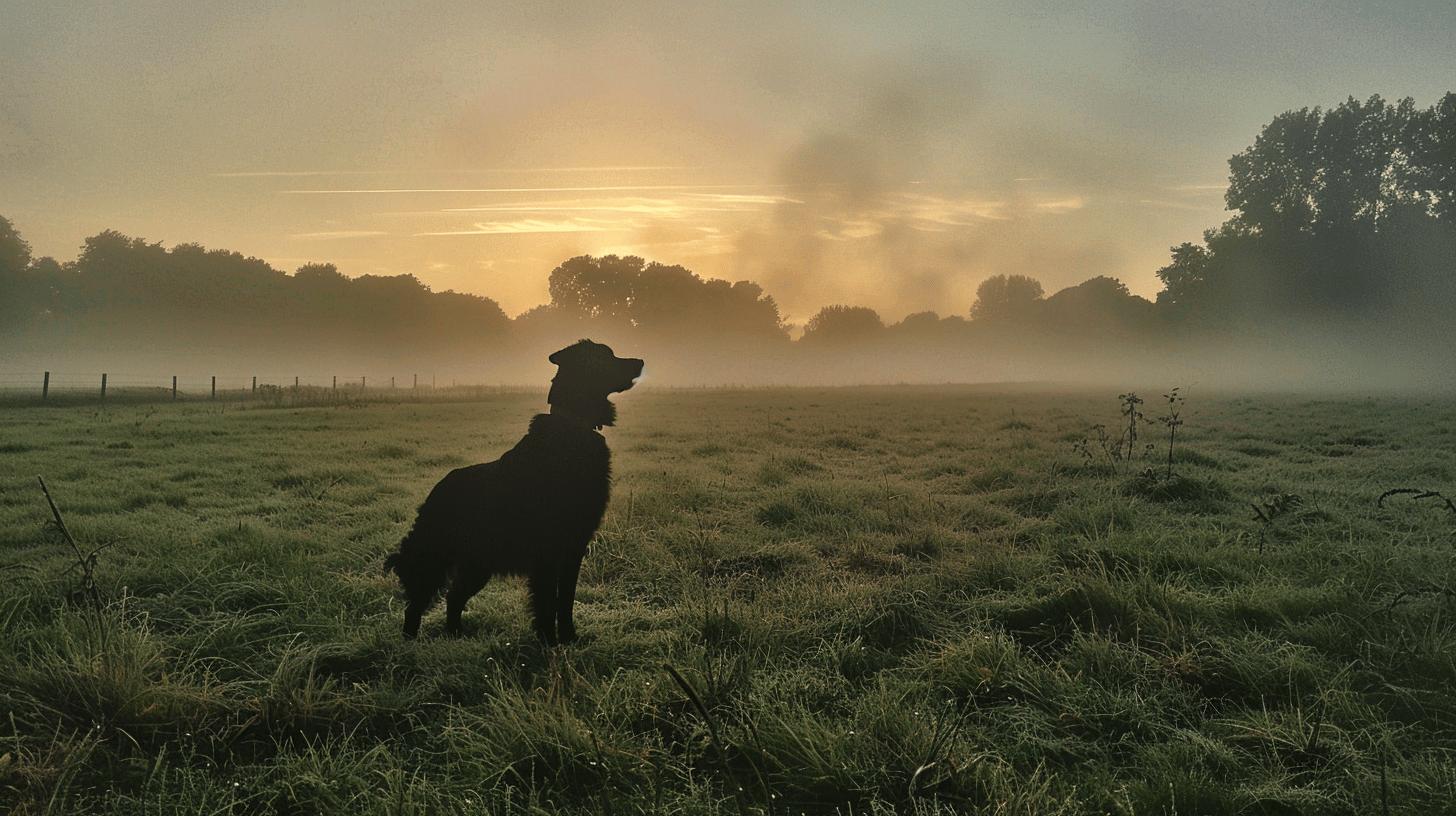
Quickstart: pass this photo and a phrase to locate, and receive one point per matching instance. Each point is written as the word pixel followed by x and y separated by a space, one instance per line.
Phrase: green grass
pixel 887 600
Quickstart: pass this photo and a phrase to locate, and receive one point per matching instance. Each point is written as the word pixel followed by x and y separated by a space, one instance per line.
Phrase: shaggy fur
pixel 532 512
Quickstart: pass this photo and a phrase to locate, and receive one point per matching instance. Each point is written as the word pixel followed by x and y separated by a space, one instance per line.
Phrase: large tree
pixel 843 325
pixel 1338 213
pixel 661 299
pixel 1006 298
pixel 15 289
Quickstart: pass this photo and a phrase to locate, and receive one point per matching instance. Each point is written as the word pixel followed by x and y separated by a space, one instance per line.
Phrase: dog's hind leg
pixel 542 585
pixel 566 598
pixel 421 585
pixel 463 587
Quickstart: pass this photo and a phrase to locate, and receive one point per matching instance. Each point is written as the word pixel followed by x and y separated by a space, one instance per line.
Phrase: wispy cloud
pixel 742 198
pixel 336 235
pixel 1060 205
pixel 663 208
pixel 949 211
pixel 1171 205
pixel 530 226
pixel 611 168
pixel 599 189
pixel 296 173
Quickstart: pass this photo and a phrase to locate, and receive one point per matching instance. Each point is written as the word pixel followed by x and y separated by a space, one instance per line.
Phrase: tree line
pixel 1343 218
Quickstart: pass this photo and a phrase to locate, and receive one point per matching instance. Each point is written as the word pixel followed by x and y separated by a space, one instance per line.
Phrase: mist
pixel 1336 270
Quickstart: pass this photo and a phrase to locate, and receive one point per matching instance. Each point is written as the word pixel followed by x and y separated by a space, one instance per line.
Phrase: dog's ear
pixel 561 356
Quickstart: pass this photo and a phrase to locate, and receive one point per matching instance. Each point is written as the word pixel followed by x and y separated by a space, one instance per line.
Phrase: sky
pixel 891 155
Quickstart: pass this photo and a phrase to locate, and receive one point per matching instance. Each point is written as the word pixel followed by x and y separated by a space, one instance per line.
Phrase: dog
pixel 531 512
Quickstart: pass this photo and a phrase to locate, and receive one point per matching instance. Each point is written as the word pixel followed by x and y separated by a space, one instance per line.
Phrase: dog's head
pixel 586 374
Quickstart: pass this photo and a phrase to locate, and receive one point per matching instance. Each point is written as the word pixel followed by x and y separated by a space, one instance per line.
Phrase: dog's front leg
pixel 542 585
pixel 566 597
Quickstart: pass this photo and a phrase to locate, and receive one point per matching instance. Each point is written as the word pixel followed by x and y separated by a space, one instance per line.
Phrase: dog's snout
pixel 636 366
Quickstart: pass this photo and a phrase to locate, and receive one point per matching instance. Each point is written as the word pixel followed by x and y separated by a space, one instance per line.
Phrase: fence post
pixel 391 383
pixel 174 387
pixel 295 386
pixel 336 385
pixel 214 387
pixel 255 385
pixel 363 383
pixel 103 386
pixel 45 387
pixel 417 382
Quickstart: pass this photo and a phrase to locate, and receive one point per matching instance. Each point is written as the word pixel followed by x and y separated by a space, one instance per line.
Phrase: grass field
pixel 886 600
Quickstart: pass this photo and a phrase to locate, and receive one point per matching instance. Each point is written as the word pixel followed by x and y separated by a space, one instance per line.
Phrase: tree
pixel 1185 278
pixel 320 273
pixel 1006 298
pixel 1272 184
pixel 14 251
pixel 1097 306
pixel 1330 211
pixel 15 289
pixel 1432 142
pixel 843 325
pixel 596 288
pixel 1318 171
pixel 662 300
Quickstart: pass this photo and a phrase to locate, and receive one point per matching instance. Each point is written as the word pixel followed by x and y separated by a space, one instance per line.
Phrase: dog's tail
pixel 400 561
pixel 404 559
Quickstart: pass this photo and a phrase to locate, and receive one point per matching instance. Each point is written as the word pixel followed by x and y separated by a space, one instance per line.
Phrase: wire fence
pixel 106 386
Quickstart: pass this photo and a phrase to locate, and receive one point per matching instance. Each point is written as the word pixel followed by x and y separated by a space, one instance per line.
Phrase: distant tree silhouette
pixel 661 300
pixel 122 290
pixel 14 251
pixel 595 288
pixel 1006 298
pixel 1097 307
pixel 918 324
pixel 1433 155
pixel 842 325
pixel 1342 212
pixel 1184 278
pixel 15 283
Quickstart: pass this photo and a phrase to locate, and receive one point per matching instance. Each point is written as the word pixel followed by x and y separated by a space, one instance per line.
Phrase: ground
pixel 877 600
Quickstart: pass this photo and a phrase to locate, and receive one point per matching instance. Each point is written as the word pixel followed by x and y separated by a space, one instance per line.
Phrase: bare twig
pixel 712 735
pixel 1417 494
pixel 86 561
pixel 60 522
pixel 319 496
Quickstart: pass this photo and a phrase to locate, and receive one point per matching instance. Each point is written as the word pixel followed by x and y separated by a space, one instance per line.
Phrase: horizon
pixel 893 160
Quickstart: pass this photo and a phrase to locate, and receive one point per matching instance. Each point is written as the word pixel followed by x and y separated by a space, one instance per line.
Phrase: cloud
pixel 1170 205
pixel 535 225
pixel 296 173
pixel 602 189
pixel 744 198
pixel 476 171
pixel 1060 205
pixel 336 235
pixel 657 207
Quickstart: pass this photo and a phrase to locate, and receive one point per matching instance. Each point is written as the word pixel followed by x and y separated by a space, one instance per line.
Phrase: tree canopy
pixel 1006 297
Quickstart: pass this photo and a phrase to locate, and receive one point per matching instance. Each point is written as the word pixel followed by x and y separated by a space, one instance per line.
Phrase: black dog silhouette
pixel 531 512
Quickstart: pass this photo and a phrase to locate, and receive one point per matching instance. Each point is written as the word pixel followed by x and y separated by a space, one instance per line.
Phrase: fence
pixel 104 386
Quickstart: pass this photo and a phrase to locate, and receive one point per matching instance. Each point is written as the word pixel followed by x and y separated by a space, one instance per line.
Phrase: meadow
pixel 855 600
